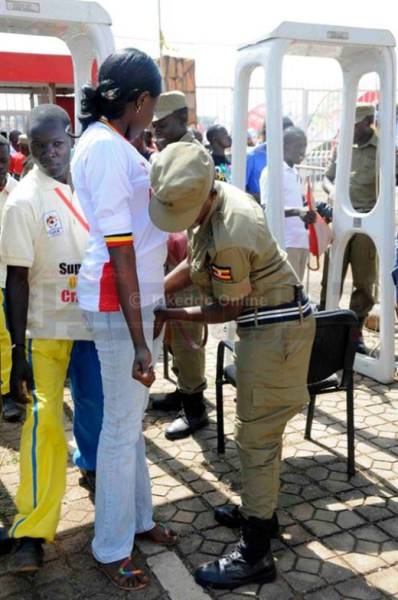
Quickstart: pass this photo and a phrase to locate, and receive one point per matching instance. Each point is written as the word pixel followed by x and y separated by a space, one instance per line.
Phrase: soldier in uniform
pixel 360 252
pixel 246 276
pixel 171 125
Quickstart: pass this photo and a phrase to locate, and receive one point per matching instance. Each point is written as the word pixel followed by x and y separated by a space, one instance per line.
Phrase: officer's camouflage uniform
pixel 360 252
pixel 233 256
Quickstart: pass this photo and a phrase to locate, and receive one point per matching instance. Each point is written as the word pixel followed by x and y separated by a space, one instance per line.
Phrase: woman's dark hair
pixel 123 77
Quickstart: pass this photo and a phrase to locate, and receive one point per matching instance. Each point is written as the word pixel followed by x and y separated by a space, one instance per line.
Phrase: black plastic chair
pixel 330 370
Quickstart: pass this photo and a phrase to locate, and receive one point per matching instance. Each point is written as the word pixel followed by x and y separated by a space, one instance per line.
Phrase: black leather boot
pixel 192 417
pixel 250 562
pixel 230 516
pixel 171 402
pixel 185 425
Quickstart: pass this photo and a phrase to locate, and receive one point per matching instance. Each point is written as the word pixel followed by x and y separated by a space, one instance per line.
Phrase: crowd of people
pixel 106 247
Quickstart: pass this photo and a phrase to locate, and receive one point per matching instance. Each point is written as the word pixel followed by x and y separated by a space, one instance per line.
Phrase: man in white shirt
pixel 42 242
pixel 297 218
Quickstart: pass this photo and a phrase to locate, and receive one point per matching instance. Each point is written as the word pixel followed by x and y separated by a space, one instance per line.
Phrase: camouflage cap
pixel 168 103
pixel 182 177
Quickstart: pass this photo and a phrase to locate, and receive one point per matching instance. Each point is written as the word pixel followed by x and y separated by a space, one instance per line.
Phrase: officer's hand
pixel 309 218
pixel 143 370
pixel 325 210
pixel 21 377
pixel 160 320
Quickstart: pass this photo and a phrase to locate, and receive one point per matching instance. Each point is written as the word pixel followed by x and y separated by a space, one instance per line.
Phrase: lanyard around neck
pixel 105 121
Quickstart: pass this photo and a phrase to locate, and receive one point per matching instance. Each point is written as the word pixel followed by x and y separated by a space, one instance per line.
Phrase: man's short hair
pixel 212 132
pixel 287 122
pixel 292 132
pixel 47 113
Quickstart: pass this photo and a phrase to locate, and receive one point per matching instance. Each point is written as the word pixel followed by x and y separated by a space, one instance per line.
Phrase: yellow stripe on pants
pixel 5 350
pixel 43 451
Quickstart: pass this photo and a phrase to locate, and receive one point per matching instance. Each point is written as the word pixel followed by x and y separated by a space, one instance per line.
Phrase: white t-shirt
pixel 10 185
pixel 111 179
pixel 40 232
pixel 296 235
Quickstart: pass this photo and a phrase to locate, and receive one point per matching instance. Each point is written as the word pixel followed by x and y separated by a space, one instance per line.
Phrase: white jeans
pixel 123 500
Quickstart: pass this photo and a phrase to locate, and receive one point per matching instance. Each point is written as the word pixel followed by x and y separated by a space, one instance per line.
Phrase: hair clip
pixel 111 94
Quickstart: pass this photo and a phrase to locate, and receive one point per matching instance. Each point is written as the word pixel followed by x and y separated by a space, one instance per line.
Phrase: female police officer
pixel 237 263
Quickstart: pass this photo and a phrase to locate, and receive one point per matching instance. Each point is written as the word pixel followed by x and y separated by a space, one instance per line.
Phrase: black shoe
pixel 6 542
pixel 171 402
pixel 230 516
pixel 27 556
pixel 250 562
pixel 185 425
pixel 88 479
pixel 12 412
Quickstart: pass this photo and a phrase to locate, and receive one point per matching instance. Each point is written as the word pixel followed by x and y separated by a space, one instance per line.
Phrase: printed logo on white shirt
pixel 52 223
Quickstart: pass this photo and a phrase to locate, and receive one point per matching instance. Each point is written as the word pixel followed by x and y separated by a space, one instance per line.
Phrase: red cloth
pixel 177 248
pixel 16 163
pixel 319 232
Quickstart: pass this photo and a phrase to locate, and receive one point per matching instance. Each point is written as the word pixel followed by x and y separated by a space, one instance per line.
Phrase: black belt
pixel 266 315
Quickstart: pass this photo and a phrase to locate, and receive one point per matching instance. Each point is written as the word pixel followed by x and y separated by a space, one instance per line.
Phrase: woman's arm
pixel 124 264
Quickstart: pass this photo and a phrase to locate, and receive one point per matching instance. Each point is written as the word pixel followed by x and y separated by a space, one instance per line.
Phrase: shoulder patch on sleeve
pixel 221 273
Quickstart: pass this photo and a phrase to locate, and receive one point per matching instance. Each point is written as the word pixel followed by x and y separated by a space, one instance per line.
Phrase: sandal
pixel 160 534
pixel 27 556
pixel 120 573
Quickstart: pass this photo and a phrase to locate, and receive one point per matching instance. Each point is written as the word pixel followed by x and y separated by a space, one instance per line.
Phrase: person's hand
pixel 143 370
pixel 21 377
pixel 160 320
pixel 309 218
pixel 325 210
pixel 396 309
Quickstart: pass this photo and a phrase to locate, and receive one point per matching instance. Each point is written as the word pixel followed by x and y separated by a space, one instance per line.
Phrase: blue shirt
pixel 256 161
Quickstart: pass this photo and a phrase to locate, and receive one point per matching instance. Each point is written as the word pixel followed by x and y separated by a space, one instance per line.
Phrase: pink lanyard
pixel 72 209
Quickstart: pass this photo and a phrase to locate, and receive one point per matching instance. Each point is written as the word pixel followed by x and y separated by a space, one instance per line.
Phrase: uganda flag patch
pixel 221 273
pixel 119 239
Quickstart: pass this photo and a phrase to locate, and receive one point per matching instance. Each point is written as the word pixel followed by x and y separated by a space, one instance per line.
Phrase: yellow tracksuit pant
pixel 5 350
pixel 43 451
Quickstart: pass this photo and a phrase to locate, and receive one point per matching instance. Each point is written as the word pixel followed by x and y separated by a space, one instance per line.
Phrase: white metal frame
pixel 85 27
pixel 358 51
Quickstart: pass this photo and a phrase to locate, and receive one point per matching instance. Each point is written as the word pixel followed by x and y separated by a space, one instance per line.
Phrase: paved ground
pixel 340 537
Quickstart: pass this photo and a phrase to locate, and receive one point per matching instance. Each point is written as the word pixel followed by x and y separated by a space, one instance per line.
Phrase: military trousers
pixel 360 254
pixel 272 367
pixel 188 363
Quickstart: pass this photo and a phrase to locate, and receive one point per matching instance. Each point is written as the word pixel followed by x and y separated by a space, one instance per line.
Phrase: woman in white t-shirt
pixel 120 282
